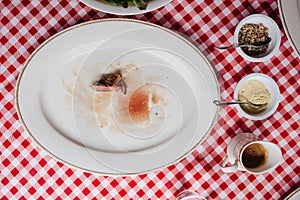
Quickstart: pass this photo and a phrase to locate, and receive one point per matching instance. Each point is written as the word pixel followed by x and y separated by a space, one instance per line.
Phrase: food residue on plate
pixel 255 92
pixel 141 102
pixel 110 82
pixel 127 86
pixel 138 106
pixel 253 34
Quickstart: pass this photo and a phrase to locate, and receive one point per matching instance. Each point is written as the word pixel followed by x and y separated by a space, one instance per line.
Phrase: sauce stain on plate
pixel 138 106
pixel 142 101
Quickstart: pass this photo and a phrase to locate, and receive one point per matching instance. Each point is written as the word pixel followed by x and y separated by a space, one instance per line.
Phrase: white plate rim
pixel 213 72
pixel 118 10
pixel 285 26
pixel 291 195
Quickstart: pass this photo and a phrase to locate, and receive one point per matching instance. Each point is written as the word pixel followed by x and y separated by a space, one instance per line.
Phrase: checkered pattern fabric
pixel 28 172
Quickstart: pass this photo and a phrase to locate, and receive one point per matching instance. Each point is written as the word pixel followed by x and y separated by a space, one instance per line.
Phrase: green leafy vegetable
pixel 141 4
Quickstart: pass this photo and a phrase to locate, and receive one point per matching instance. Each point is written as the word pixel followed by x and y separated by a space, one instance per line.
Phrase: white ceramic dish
pixel 85 129
pixel 295 195
pixel 119 10
pixel 274 33
pixel 290 16
pixel 272 87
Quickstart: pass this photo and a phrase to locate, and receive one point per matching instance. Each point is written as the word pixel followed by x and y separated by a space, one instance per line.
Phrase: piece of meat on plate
pixel 109 83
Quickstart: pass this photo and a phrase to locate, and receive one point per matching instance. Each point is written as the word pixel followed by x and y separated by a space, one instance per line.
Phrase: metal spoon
pixel 188 194
pixel 220 103
pixel 255 45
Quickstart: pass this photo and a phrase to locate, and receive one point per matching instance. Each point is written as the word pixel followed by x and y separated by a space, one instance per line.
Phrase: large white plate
pixel 290 16
pixel 93 131
pixel 295 195
pixel 119 10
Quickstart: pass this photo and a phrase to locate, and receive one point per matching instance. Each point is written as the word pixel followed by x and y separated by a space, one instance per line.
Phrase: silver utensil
pixel 255 45
pixel 187 194
pixel 223 103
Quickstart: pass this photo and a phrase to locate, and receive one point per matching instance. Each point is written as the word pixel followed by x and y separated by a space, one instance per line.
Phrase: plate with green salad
pixel 125 7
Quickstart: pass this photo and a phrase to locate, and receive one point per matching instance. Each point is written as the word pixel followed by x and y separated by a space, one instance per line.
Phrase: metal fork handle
pixel 267 41
pixel 223 103
pixel 187 194
pixel 237 46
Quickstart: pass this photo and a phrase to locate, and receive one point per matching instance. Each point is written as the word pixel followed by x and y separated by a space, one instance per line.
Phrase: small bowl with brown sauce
pixel 257 29
pixel 258 89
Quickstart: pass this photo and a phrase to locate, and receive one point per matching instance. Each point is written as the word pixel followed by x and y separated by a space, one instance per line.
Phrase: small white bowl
pixel 274 33
pixel 273 89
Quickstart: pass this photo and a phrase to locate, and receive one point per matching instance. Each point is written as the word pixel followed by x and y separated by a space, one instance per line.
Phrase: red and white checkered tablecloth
pixel 29 172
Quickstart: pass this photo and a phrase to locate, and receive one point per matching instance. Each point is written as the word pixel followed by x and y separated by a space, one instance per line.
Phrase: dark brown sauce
pixel 254 156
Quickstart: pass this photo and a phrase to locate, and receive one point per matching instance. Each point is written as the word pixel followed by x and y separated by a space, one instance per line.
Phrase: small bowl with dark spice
pixel 257 29
pixel 260 90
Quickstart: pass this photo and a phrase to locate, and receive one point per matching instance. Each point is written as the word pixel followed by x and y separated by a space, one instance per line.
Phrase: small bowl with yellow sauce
pixel 261 91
